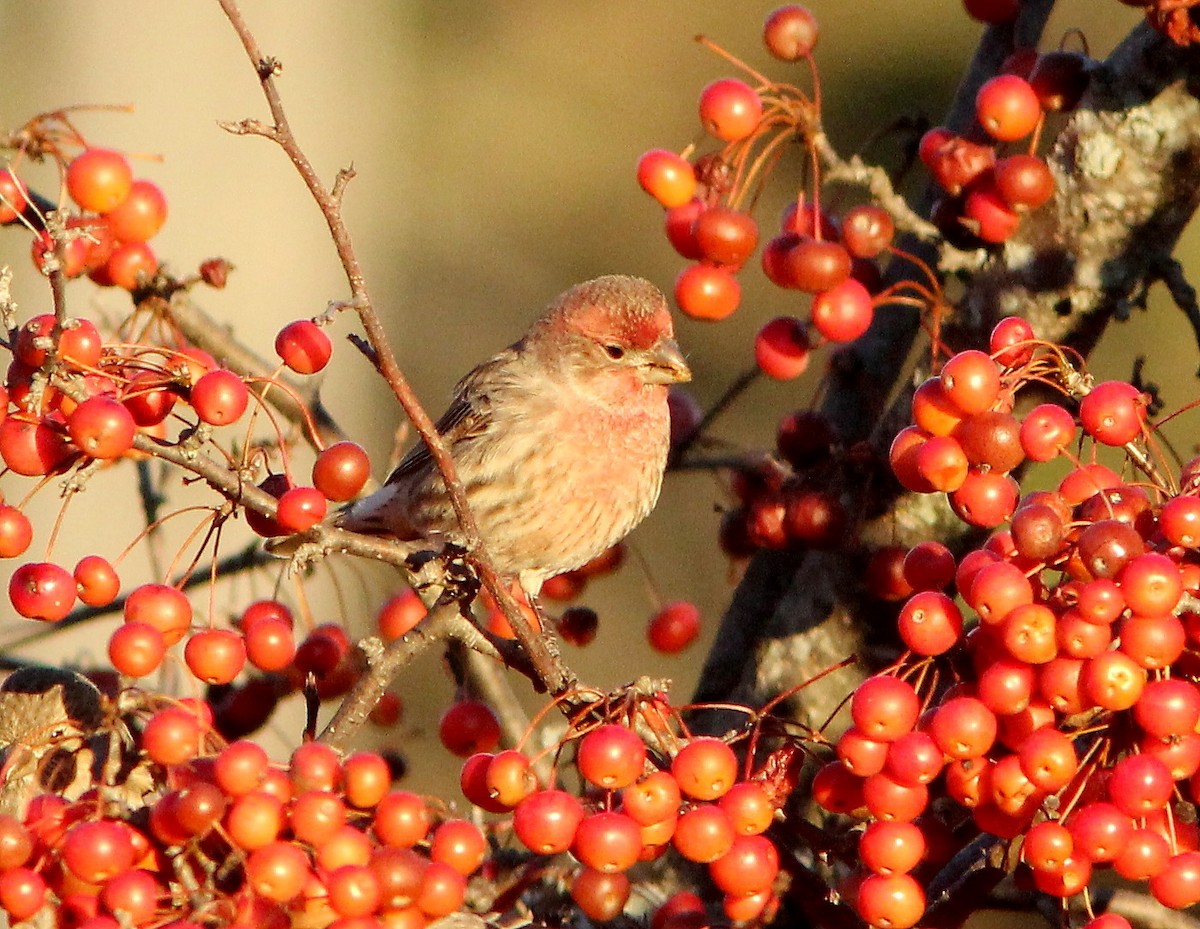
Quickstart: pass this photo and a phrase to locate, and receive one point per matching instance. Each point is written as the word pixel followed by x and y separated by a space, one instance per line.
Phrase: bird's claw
pixel 461 583
pixel 446 571
pixel 301 550
pixel 305 555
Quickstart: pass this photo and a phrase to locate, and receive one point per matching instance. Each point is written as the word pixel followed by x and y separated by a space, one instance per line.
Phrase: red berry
pixel 102 428
pixel 705 768
pixel 303 346
pixel 301 508
pixel 674 627
pixel 42 590
pixel 13 197
pixel 725 236
pixel 730 109
pixel 1023 181
pixel 16 531
pixel 897 902
pixel 215 656
pixel 971 381
pixel 96 581
pixel 996 12
pixel 1005 342
pixel 165 608
pixel 546 822
pixel 468 727
pixel 1007 108
pixel 611 757
pixel 930 623
pixel 680 227
pixel 844 312
pixel 220 397
pixel 140 215
pixel 988 216
pixel 400 615
pixel 666 177
pixel 867 230
pixel 781 348
pixel 1060 78
pixel 99 179
pixel 1113 412
pixel 790 32
pixel 816 265
pixel 705 291
pixel 136 649
pixel 130 266
pixel 884 707
pixel 341 470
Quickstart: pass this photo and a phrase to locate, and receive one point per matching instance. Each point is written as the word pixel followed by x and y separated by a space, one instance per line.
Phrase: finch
pixel 560 440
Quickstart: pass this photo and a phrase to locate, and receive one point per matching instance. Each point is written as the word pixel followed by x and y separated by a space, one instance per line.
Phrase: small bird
pixel 560 440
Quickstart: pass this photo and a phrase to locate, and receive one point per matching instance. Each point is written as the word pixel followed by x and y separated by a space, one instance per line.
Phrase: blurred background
pixel 494 146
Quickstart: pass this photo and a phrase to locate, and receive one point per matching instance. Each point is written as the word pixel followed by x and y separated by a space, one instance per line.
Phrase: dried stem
pixel 151 501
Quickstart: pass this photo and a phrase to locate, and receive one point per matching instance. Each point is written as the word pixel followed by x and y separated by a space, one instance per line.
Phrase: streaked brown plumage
pixel 560 440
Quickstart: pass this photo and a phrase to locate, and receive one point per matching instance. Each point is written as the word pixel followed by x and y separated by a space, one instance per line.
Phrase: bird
pixel 560 440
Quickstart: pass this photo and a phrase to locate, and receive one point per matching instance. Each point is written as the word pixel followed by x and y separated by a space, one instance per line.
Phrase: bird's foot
pixel 301 550
pixel 460 581
pixel 306 555
pixel 446 572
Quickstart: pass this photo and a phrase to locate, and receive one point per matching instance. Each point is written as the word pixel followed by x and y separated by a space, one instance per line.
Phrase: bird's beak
pixel 665 364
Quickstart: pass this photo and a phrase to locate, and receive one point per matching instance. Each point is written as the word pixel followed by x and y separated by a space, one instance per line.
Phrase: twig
pixel 151 500
pixel 732 392
pixel 443 622
pixel 1170 272
pixel 488 683
pixel 553 674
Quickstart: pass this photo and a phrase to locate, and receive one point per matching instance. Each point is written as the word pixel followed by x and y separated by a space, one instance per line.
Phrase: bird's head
pixel 615 324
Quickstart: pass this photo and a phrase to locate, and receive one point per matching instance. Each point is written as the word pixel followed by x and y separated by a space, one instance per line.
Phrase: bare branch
pixel 555 677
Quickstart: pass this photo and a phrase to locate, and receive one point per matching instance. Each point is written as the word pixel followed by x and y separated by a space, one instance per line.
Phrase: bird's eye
pixel 615 352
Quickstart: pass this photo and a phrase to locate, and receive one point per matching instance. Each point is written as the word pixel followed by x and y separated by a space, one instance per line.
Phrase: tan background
pixel 495 145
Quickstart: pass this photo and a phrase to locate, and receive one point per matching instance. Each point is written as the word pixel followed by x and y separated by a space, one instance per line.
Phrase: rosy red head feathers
pixel 627 310
pixel 560 440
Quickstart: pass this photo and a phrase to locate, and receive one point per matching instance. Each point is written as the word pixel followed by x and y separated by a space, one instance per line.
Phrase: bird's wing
pixel 468 416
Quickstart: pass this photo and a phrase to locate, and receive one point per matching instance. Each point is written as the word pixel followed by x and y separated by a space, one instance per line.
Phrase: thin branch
pixel 1170 272
pixel 554 675
pixel 151 501
pixel 443 622
pixel 488 683
pixel 739 386
pixel 877 182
